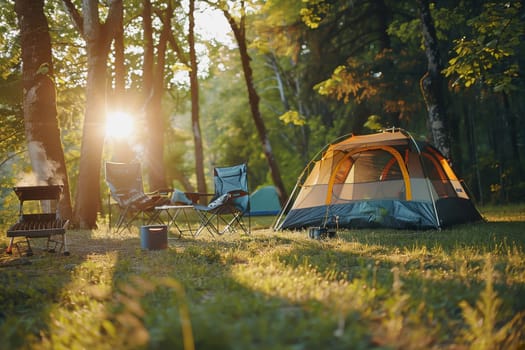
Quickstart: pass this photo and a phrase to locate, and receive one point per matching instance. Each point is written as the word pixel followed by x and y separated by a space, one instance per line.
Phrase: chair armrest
pixel 196 197
pixel 237 193
pixel 165 192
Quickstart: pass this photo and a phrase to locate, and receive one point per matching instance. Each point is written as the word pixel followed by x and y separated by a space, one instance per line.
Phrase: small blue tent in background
pixel 264 201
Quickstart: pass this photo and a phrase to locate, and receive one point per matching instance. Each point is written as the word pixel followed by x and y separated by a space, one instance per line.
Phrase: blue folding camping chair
pixel 231 200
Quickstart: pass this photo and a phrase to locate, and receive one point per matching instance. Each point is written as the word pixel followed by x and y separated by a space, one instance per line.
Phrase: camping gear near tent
pixel 385 179
pixel 265 201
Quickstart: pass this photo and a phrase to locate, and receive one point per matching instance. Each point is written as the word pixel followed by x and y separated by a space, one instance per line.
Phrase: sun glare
pixel 212 25
pixel 119 125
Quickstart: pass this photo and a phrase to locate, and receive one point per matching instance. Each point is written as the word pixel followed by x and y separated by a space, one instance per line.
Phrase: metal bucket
pixel 154 237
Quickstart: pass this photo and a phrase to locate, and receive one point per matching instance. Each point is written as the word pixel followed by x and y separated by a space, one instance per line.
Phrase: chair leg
pixel 123 223
pixel 217 228
pixel 236 221
pixel 206 223
pixel 120 222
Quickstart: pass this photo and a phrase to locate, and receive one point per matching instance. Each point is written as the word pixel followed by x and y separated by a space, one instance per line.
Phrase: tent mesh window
pixel 437 176
pixel 375 174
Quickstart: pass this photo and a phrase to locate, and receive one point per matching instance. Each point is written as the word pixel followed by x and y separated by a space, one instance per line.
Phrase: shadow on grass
pixel 246 292
pixel 44 297
pixel 438 269
pixel 29 289
pixel 225 313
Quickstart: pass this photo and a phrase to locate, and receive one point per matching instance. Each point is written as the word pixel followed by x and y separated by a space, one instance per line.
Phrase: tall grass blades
pixel 484 330
pixel 454 289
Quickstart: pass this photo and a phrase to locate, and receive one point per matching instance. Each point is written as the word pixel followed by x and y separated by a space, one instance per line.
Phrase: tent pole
pixel 277 224
pixel 428 182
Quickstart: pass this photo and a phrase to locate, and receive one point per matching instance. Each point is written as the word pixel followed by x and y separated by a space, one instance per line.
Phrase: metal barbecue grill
pixel 46 224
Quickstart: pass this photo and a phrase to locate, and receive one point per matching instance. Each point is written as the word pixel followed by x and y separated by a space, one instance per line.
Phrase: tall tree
pixel 120 67
pixel 122 151
pixel 239 31
pixel 98 36
pixel 39 100
pixel 432 83
pixel 195 118
pixel 153 87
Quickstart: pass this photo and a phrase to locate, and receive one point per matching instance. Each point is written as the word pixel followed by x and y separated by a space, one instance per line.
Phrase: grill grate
pixel 42 225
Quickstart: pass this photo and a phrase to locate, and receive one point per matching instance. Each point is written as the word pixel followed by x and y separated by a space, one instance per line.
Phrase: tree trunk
pixel 512 129
pixel 155 119
pixel 120 68
pixel 474 159
pixel 194 86
pixel 147 65
pixel 98 38
pixel 432 83
pixel 88 192
pixel 39 104
pixel 253 97
pixel 122 151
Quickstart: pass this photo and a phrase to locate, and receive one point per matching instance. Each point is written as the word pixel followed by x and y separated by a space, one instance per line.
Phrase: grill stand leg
pixel 12 244
pixel 9 249
pixel 29 250
pixel 57 242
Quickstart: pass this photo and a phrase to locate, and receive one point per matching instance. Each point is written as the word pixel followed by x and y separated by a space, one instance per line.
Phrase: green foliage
pixel 277 30
pixel 406 31
pixel 374 123
pixel 12 139
pixel 292 117
pixel 488 56
pixel 314 12
pixel 9 45
pixel 448 20
pixel 346 83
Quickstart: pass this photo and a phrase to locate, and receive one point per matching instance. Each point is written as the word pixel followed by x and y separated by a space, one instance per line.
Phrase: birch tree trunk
pixel 432 83
pixel 39 104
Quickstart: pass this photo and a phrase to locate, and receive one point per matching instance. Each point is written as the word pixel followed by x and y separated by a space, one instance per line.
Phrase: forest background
pixel 286 78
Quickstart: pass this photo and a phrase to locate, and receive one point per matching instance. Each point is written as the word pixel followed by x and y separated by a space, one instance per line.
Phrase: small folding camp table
pixel 46 224
pixel 173 212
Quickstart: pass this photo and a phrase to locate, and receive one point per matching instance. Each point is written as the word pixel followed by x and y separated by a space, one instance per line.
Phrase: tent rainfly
pixel 385 179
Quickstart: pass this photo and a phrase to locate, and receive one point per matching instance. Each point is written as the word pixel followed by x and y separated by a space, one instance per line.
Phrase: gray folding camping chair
pixel 231 200
pixel 126 188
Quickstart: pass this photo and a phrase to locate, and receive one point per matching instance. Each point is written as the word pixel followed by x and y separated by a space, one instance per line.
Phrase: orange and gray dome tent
pixel 385 179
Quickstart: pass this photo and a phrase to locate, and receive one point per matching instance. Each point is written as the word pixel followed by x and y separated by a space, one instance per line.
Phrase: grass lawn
pixel 459 288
